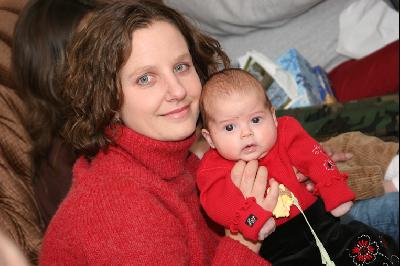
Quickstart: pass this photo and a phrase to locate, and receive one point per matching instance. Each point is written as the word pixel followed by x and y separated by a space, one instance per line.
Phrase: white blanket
pixel 367 26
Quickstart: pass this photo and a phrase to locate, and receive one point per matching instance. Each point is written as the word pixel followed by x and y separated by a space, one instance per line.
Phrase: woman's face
pixel 160 84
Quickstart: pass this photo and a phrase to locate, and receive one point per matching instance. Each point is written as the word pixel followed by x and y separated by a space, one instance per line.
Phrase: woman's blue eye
pixel 181 68
pixel 256 120
pixel 144 80
pixel 229 127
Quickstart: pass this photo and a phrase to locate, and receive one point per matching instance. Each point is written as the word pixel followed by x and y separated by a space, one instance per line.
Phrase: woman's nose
pixel 175 90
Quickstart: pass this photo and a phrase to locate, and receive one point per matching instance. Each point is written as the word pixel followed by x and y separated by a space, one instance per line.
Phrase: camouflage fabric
pixel 378 116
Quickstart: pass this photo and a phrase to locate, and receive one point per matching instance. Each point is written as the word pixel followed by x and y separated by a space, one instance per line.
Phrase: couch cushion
pixel 13 5
pixel 225 17
pixel 5 64
pixel 7 24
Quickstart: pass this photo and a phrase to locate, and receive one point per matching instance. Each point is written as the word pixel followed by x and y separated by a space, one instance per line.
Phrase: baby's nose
pixel 246 133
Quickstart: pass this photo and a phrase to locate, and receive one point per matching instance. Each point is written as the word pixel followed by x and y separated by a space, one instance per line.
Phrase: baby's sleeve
pixel 309 158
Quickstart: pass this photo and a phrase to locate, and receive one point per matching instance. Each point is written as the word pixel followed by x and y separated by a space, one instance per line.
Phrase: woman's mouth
pixel 178 112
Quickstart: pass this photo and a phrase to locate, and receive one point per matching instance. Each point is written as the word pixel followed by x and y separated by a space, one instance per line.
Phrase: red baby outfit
pixel 225 204
pixel 137 204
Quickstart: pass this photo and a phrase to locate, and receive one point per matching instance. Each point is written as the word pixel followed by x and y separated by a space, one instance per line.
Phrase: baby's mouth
pixel 249 148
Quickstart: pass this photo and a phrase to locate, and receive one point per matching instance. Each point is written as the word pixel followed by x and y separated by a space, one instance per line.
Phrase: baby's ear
pixel 274 116
pixel 207 136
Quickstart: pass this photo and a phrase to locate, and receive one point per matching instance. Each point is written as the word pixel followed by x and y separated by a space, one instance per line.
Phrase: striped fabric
pixel 19 216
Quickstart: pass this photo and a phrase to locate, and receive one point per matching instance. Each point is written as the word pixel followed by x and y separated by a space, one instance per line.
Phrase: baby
pixel 240 124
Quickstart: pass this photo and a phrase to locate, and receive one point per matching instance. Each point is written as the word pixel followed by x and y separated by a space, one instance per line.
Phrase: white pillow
pixel 227 17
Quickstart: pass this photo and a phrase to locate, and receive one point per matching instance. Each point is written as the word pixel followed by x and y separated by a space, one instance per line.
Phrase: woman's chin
pixel 179 135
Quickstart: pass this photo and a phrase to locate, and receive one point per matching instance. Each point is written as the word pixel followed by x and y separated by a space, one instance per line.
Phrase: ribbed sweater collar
pixel 166 159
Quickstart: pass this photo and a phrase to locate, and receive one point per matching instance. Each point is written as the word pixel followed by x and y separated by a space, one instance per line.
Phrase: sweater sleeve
pixel 225 204
pixel 308 157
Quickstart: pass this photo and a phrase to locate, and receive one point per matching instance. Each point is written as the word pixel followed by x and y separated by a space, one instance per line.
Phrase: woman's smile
pixel 178 113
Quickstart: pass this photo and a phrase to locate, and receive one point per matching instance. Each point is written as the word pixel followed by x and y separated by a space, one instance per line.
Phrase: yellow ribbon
pixel 324 254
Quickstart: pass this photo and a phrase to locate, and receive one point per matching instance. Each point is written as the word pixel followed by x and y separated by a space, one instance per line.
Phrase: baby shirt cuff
pixel 249 219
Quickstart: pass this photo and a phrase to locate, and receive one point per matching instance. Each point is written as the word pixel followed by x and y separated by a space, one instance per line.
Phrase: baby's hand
pixel 342 209
pixel 267 229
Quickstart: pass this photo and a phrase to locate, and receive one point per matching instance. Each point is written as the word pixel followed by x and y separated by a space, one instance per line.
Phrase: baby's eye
pixel 256 120
pixel 144 80
pixel 181 68
pixel 229 127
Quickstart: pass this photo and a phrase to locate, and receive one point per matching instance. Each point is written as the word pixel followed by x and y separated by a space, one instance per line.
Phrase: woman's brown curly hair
pixel 96 56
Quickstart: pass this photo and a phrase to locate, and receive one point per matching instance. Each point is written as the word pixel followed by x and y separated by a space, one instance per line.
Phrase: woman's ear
pixel 207 136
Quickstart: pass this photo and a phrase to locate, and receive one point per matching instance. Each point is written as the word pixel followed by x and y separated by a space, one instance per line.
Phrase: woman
pixel 30 121
pixel 43 30
pixel 133 81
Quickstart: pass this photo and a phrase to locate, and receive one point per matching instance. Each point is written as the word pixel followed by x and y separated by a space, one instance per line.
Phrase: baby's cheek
pixel 232 151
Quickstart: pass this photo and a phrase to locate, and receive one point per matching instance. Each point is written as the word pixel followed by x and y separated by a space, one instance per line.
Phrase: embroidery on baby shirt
pixel 317 150
pixel 329 165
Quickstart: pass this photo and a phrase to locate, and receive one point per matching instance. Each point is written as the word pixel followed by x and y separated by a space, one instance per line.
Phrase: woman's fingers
pixel 327 149
pixel 341 156
pixel 300 177
pixel 272 197
pixel 335 155
pixel 260 184
pixel 237 173
pixel 249 175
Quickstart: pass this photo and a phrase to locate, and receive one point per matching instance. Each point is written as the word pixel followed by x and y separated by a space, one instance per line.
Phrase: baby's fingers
pixel 267 229
pixel 272 197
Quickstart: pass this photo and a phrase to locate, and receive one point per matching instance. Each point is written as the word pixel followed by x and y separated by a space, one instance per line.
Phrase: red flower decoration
pixel 365 251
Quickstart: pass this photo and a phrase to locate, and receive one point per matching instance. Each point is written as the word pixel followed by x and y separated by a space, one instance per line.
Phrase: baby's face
pixel 241 127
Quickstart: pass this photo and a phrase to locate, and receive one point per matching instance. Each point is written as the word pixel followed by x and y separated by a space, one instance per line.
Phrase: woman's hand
pixel 335 155
pixel 252 182
pixel 389 186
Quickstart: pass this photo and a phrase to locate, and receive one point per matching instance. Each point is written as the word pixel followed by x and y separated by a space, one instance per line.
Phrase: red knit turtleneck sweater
pixel 137 204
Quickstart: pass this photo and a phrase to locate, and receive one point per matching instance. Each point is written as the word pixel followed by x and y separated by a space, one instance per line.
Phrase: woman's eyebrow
pixel 184 56
pixel 142 69
pixel 148 68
